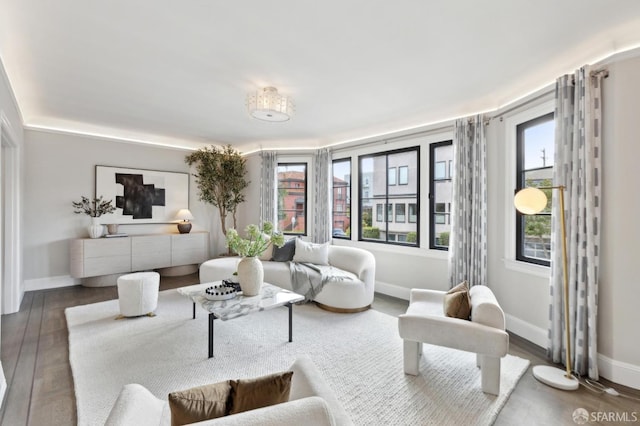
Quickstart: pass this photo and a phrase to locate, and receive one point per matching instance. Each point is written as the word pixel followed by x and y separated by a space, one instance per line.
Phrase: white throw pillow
pixel 311 253
pixel 267 254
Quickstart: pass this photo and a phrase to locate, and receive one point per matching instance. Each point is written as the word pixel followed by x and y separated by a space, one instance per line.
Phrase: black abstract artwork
pixel 139 198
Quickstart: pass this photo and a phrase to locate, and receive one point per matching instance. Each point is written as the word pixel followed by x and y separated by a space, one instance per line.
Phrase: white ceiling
pixel 177 72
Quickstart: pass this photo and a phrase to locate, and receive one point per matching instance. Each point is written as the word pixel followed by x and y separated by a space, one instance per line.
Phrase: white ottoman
pixel 138 293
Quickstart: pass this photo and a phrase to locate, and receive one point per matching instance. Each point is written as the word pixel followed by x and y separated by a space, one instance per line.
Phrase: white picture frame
pixel 142 195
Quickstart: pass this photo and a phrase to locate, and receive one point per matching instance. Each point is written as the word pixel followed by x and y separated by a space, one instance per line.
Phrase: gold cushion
pixel 249 394
pixel 457 303
pixel 199 403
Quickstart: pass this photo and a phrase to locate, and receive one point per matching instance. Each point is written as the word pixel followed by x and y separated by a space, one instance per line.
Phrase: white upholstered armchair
pixel 484 334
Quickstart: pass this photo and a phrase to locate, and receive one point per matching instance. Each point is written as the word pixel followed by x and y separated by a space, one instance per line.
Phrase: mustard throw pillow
pixel 457 303
pixel 199 403
pixel 249 394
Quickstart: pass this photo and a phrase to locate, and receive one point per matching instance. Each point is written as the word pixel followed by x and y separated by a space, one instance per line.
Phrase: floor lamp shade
pixel 531 201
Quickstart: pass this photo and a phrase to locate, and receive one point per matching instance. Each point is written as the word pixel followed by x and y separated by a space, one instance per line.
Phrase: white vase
pixel 95 229
pixel 250 275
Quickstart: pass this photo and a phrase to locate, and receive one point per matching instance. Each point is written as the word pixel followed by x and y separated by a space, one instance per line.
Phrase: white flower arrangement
pixel 257 241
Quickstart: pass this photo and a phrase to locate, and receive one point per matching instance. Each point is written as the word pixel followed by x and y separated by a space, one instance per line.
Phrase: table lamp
pixel 184 216
pixel 531 201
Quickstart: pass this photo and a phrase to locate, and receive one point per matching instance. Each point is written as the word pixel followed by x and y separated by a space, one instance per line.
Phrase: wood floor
pixel 35 359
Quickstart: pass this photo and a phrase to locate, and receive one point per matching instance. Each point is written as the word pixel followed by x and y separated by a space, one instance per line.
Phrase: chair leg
pixel 490 374
pixel 411 357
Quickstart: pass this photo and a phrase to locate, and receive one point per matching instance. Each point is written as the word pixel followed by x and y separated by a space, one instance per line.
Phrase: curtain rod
pixel 383 141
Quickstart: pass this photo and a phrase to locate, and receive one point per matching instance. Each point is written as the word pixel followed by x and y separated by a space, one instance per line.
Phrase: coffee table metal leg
pixel 290 306
pixel 211 319
pixel 194 310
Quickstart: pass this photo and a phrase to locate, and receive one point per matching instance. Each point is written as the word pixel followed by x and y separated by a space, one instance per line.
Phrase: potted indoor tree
pixel 220 176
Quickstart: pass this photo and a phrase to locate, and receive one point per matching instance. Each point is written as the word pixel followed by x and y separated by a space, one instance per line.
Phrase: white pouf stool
pixel 138 294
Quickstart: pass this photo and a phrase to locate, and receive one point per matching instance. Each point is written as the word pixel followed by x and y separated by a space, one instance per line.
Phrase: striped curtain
pixel 322 196
pixel 578 166
pixel 268 181
pixel 468 239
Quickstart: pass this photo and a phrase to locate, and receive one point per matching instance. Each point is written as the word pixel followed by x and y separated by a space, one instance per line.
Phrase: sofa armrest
pixel 311 411
pixel 307 381
pixel 429 296
pixel 136 406
pixel 356 260
pixel 485 308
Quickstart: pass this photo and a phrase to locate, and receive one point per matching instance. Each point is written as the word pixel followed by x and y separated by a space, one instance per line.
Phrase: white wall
pixel 59 169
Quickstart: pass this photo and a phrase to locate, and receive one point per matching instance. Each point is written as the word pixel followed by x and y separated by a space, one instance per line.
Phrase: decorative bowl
pixel 219 292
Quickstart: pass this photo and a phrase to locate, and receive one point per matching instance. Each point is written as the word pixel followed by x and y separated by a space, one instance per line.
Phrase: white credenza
pixel 92 257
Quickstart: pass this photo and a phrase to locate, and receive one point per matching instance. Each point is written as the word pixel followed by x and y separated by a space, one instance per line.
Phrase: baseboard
pixel 535 335
pixel 619 372
pixel 393 290
pixel 50 282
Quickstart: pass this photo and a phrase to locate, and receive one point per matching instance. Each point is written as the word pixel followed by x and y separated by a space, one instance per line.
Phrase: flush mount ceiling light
pixel 268 105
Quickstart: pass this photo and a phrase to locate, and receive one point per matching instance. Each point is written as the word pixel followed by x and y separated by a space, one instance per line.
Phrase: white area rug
pixel 360 356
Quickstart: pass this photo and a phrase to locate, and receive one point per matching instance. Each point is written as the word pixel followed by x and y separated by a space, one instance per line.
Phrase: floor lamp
pixel 531 201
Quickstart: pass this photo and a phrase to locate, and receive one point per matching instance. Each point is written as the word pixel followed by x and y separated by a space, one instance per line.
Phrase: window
pixel 341 216
pixel 440 213
pixel 413 213
pixel 534 167
pixel 388 192
pixel 292 198
pixel 441 154
pixel 392 176
pixel 403 175
pixel 400 213
pixel 440 170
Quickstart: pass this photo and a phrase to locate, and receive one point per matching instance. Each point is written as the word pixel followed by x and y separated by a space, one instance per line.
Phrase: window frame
pixel 433 215
pixel 520 183
pixel 348 200
pixel 306 194
pixel 387 200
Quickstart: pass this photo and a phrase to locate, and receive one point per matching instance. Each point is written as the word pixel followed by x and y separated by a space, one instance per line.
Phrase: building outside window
pixel 534 167
pixel 341 215
pixel 292 198
pixel 387 172
pixel 413 213
pixel 403 175
pixel 380 212
pixel 440 188
pixel 400 213
pixel 392 176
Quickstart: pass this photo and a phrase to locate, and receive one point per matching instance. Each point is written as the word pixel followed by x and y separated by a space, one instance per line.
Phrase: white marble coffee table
pixel 270 297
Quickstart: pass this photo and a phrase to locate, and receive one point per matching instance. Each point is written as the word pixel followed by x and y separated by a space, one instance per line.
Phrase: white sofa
pixel 311 402
pixel 337 295
pixel 484 334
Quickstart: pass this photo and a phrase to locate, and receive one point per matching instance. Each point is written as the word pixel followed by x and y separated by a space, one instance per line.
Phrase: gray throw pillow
pixel 286 252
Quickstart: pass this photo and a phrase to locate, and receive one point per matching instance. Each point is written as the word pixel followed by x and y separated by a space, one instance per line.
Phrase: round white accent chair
pixel 138 294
